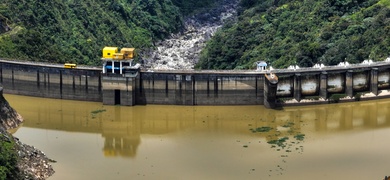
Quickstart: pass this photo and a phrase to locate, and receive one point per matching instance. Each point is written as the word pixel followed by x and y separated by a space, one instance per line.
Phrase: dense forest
pixel 303 33
pixel 280 32
pixel 76 31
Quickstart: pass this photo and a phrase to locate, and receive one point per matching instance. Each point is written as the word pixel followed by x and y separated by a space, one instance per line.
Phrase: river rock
pixel 182 50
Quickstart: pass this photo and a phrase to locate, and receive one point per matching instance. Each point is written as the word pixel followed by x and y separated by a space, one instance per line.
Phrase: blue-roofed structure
pixel 261 65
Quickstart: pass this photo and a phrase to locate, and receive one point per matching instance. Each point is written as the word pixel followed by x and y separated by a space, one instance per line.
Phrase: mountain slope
pixel 76 31
pixel 289 32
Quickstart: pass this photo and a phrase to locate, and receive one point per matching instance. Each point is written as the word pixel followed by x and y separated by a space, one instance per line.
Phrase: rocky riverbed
pixel 182 51
pixel 32 163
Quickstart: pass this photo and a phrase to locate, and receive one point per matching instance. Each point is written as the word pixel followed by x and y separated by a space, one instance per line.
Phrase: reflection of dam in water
pixel 122 127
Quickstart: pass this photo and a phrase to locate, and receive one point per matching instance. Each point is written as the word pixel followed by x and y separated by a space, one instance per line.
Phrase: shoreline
pixel 31 162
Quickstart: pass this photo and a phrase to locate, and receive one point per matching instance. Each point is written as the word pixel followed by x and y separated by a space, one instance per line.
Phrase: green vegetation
pixel 189 7
pixel 299 137
pixel 291 32
pixel 95 112
pixel 336 97
pixel 8 158
pixel 357 96
pixel 289 124
pixel 262 129
pixel 76 31
pixel 98 111
pixel 281 142
pixel 282 33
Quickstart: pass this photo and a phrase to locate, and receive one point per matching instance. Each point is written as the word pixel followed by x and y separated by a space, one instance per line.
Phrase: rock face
pixel 182 51
pixel 32 163
pixel 9 118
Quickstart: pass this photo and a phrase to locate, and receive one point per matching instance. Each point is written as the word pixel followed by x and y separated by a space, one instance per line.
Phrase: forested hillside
pixel 301 32
pixel 281 32
pixel 76 31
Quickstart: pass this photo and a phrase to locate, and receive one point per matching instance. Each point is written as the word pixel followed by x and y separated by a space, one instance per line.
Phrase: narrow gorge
pixel 182 50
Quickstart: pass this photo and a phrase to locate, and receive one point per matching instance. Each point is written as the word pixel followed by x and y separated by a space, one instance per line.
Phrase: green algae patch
pixel 98 111
pixel 95 112
pixel 262 129
pixel 281 142
pixel 289 124
pixel 299 137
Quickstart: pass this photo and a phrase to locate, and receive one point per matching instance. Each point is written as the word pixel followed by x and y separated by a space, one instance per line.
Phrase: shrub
pixel 8 158
pixel 336 97
pixel 358 96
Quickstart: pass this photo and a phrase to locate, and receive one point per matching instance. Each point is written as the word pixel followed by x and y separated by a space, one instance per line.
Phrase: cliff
pixel 9 118
pixel 18 160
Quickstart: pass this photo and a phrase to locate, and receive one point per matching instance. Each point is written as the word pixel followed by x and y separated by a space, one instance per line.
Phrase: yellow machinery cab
pixel 117 56
pixel 108 52
pixel 128 53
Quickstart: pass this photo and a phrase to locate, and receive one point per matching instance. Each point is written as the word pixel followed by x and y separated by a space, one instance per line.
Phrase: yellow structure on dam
pixel 124 54
pixel 119 75
pixel 115 61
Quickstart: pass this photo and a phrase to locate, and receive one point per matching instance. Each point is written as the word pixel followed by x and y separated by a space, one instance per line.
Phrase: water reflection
pixel 122 127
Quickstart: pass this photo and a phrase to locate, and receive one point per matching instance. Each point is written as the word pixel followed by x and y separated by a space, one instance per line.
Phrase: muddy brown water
pixel 92 141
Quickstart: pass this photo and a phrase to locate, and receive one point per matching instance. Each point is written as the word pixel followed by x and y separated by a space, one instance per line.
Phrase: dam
pixel 196 87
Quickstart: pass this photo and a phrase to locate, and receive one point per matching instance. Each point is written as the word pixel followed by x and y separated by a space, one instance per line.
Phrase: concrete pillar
pixel 189 90
pixel 61 84
pixel 216 86
pixel 374 81
pixel 104 67
pixel 297 87
pixel 324 85
pixel 349 83
pixel 112 67
pixel 270 88
pixel 128 95
pixel 120 67
pixel 178 89
pixel 38 79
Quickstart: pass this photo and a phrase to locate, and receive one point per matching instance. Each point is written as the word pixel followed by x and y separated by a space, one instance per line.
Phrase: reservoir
pixel 94 141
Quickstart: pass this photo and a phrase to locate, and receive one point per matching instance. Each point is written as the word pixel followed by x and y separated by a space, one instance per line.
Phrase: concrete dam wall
pixel 89 84
pixel 196 87
pixel 202 88
pixel 50 81
pixel 355 82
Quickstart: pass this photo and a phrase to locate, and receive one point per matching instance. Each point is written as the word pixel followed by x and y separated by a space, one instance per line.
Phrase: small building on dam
pixel 121 82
